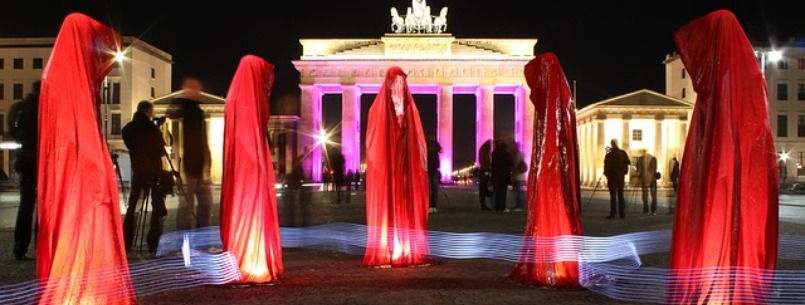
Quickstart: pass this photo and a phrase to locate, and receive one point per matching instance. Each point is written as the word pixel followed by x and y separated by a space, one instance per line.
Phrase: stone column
pixel 599 145
pixel 309 126
pixel 485 126
pixel 445 133
pixel 626 143
pixel 350 126
pixel 659 149
pixel 523 103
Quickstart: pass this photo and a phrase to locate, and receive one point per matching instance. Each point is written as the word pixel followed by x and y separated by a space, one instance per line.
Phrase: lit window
pixel 782 92
pixel 115 128
pixel 116 93
pixel 801 126
pixel 782 126
pixel 637 135
pixel 801 92
pixel 17 91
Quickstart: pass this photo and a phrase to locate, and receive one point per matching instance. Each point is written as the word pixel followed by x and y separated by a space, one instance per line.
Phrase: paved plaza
pixel 325 277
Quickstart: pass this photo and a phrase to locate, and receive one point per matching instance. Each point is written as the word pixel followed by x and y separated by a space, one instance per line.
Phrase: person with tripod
pixel 616 166
pixel 23 124
pixel 146 147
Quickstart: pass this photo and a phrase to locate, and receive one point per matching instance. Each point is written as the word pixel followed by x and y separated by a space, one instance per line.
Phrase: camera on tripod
pixel 158 121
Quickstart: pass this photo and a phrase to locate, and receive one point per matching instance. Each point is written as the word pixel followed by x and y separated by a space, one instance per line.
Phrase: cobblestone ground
pixel 323 277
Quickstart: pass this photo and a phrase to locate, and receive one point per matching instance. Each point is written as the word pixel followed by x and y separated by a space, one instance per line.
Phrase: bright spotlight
pixel 322 137
pixel 775 56
pixel 120 56
pixel 784 156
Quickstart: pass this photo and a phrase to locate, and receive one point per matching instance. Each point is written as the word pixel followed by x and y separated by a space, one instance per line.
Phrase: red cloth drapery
pixel 553 180
pixel 249 224
pixel 727 205
pixel 396 179
pixel 80 252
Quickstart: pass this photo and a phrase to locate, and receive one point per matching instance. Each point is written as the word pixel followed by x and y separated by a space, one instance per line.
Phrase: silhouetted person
pixel 195 158
pixel 519 178
pixel 296 195
pixel 502 166
pixel 484 173
pixel 146 148
pixel 616 166
pixel 434 149
pixel 674 183
pixel 647 169
pixel 23 121
pixel 338 162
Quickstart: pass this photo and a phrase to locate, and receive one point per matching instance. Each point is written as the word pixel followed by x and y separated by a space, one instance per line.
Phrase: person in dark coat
pixel 616 166
pixel 484 172
pixel 674 183
pixel 23 121
pixel 434 149
pixel 146 148
pixel 338 163
pixel 502 166
pixel 195 158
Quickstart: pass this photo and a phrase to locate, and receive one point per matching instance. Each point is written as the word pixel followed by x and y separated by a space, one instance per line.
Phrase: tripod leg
pixel 144 215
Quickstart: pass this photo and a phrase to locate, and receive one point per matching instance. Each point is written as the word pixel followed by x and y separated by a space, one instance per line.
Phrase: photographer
pixel 146 147
pixel 616 166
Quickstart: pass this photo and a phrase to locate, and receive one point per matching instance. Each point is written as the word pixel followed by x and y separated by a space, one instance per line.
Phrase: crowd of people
pixel 498 168
pixel 501 165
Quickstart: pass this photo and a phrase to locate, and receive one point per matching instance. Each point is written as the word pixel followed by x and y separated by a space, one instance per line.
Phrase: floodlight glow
pixel 120 56
pixel 784 156
pixel 10 145
pixel 775 56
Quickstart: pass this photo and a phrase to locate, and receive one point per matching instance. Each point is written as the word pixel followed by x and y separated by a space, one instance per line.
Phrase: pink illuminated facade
pixel 438 64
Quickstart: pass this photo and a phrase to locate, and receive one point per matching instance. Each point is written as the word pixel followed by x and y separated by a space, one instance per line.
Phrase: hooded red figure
pixel 727 204
pixel 554 192
pixel 396 178
pixel 249 224
pixel 80 254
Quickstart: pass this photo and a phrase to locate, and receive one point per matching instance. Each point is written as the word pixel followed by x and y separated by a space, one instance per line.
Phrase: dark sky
pixel 609 47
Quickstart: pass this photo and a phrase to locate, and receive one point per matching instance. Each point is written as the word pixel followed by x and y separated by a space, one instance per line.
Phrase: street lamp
pixel 772 56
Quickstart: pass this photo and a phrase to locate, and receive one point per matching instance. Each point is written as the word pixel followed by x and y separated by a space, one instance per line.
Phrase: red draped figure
pixel 249 224
pixel 80 254
pixel 396 178
pixel 553 181
pixel 727 205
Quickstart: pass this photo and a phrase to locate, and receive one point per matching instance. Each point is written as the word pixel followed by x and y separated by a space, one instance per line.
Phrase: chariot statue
pixel 418 19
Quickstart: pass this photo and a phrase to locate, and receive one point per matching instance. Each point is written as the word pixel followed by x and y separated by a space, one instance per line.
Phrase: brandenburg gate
pixel 436 63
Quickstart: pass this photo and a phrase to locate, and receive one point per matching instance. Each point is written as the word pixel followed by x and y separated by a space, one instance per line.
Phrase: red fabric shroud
pixel 396 177
pixel 727 205
pixel 249 224
pixel 80 254
pixel 554 192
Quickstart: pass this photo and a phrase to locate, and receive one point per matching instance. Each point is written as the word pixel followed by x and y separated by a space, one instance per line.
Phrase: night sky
pixel 608 47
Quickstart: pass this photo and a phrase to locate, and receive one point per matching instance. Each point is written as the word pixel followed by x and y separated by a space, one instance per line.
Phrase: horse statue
pixel 440 22
pixel 411 23
pixel 425 22
pixel 397 22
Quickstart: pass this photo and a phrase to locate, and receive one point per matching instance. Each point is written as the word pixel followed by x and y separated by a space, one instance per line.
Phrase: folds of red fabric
pixel 249 223
pixel 80 254
pixel 553 179
pixel 396 179
pixel 728 195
